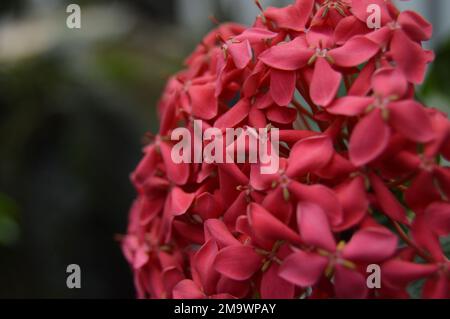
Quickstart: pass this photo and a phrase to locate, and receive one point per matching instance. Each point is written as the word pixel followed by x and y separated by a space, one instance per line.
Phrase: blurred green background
pixel 74 106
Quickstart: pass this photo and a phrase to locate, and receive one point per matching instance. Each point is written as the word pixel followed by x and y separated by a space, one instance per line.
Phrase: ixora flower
pixel 360 179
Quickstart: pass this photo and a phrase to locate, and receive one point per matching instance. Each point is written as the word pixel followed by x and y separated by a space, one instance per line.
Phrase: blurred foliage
pixel 71 122
pixel 436 90
pixel 9 228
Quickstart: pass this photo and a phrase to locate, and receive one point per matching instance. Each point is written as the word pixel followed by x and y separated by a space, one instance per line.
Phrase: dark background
pixel 74 106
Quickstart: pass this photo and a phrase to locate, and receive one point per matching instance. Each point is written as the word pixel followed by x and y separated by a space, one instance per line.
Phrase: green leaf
pixel 9 228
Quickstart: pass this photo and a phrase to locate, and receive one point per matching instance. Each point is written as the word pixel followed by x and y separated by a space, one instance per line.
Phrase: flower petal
pixel 237 262
pixel 187 289
pixel 309 155
pixel 350 105
pixel 325 83
pixel 291 17
pixel 241 53
pixel 387 201
pixel 234 116
pixel 349 284
pixel 289 56
pixel 355 203
pixel 354 52
pixel 268 227
pixel 217 230
pixel 314 226
pixel 389 82
pixel 369 139
pixel 321 196
pixel 371 245
pixel 417 27
pixel 282 86
pixel 409 56
pixel 399 273
pixel 411 120
pixel 203 263
pixel 275 287
pixel 438 217
pixel 203 100
pixel 303 269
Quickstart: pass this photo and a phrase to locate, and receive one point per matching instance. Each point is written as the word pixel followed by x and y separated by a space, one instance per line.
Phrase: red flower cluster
pixel 361 179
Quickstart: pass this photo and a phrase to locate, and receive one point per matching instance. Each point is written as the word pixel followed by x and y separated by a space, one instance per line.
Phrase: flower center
pixel 321 53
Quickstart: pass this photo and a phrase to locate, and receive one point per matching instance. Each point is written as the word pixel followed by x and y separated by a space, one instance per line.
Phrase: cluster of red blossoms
pixel 361 178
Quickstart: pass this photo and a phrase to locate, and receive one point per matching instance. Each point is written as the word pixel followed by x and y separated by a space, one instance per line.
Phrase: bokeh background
pixel 74 106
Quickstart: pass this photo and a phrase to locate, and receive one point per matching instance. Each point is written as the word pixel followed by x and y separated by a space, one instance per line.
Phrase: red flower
pixel 323 257
pixel 361 178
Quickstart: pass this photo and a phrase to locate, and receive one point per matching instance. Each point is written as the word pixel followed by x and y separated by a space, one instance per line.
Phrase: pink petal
pixel 241 52
pixel 387 201
pixel 188 231
pixel 236 209
pixel 257 118
pixel 314 227
pixel 293 136
pixel 171 277
pixel 207 206
pixel 204 101
pixel 234 116
pixel 282 86
pixel 238 262
pixel 349 27
pixel 277 205
pixel 355 203
pixel 354 52
pixel 303 269
pixel 146 165
pixel 320 36
pixel 203 263
pixel 371 245
pixel 239 289
pixel 362 86
pixel 309 155
pixel 425 238
pixel 181 201
pixel 389 82
pixel 187 289
pixel 177 173
pixel 255 35
pixel 292 17
pixel 349 284
pixel 350 105
pixel 417 28
pixel 321 196
pixel 369 139
pixel 437 288
pixel 141 257
pixel 399 273
pixel 281 114
pixel 411 120
pixel 325 83
pixel 268 227
pixel 422 192
pixel 409 56
pixel 289 56
pixel 217 230
pixel 222 296
pixel 438 217
pixel 275 287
